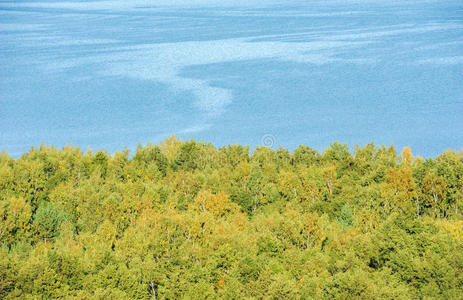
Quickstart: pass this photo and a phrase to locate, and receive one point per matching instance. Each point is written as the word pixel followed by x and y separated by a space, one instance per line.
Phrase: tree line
pixel 184 219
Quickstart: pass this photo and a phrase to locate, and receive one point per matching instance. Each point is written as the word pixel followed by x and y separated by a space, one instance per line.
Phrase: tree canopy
pixel 184 219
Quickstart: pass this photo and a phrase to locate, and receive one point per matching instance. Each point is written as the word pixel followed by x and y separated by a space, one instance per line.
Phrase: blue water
pixel 109 74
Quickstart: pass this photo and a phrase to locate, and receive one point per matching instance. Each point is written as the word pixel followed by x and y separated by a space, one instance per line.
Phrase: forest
pixel 188 220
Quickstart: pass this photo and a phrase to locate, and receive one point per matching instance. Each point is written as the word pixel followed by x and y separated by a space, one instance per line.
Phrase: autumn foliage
pixel 188 220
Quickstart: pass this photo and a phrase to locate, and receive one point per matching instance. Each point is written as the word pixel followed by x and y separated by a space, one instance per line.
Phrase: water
pixel 109 74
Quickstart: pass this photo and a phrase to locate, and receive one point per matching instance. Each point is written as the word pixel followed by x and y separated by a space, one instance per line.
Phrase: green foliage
pixel 186 220
pixel 346 216
pixel 47 221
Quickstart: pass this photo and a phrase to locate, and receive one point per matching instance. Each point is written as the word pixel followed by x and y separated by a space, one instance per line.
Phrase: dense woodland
pixel 187 220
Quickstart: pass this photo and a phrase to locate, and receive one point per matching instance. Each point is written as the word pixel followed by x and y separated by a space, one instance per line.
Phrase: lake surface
pixel 109 74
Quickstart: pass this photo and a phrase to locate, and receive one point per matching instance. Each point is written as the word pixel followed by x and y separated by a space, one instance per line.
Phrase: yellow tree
pixel 329 175
pixel 217 204
pixel 399 190
pixel 435 190
pixel 170 147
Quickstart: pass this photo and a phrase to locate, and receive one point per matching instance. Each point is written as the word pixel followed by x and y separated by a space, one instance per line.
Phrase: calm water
pixel 109 74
